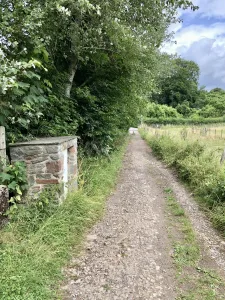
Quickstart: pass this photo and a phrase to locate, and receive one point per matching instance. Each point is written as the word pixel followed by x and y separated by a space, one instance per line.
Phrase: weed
pixel 106 287
pixel 168 190
pixel 14 176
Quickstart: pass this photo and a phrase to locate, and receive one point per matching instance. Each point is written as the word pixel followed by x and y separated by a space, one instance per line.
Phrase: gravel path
pixel 128 254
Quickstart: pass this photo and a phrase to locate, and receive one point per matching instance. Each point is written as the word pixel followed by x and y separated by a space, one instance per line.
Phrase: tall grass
pixel 40 240
pixel 198 167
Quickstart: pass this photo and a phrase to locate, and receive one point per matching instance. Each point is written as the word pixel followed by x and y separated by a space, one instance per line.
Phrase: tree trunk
pixel 71 74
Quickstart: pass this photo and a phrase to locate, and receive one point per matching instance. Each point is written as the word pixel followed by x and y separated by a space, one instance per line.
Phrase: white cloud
pixel 204 44
pixel 185 37
pixel 210 8
pixel 210 56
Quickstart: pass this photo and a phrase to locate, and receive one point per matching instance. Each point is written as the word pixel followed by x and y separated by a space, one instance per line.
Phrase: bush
pixel 15 177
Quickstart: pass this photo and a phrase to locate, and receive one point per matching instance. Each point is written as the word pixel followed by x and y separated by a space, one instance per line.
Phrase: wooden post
pixel 2 144
pixel 4 203
pixel 4 193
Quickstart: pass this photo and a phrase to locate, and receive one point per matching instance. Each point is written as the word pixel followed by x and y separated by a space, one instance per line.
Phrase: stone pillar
pixel 72 163
pixel 49 161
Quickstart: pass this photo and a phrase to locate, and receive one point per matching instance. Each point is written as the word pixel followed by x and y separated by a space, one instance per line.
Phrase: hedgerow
pixel 183 121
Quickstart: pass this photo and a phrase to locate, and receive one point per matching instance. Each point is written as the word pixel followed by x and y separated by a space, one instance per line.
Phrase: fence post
pixel 4 192
pixel 2 144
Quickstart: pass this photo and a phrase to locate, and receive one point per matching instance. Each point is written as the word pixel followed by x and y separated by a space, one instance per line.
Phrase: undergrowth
pixel 198 167
pixel 41 238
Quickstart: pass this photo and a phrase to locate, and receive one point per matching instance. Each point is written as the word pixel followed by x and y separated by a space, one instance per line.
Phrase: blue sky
pixel 201 38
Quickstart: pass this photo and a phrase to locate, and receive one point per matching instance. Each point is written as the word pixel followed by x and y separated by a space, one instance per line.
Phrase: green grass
pixel 186 250
pixel 194 281
pixel 197 166
pixel 40 240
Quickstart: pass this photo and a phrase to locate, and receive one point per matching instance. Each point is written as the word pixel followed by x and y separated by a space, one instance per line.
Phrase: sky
pixel 201 38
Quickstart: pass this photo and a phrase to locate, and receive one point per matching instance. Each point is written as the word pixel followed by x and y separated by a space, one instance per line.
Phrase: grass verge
pixel 198 168
pixel 196 281
pixel 42 236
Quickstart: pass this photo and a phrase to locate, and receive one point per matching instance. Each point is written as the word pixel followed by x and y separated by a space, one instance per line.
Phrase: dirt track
pixel 128 254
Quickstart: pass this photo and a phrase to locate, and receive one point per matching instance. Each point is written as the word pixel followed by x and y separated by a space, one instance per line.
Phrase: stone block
pixel 63 147
pixel 4 201
pixel 31 180
pixel 17 154
pixel 33 150
pixel 72 170
pixel 44 176
pixel 54 166
pixel 47 181
pixel 39 159
pixel 36 168
pixel 72 143
pixel 51 149
pixel 72 150
pixel 36 189
pixel 54 156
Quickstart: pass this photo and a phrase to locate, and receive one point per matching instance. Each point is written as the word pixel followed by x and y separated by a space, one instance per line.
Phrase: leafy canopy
pixel 80 67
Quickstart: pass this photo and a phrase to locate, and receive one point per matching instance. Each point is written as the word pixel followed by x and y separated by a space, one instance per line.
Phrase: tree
pixel 90 64
pixel 214 104
pixel 155 110
pixel 179 84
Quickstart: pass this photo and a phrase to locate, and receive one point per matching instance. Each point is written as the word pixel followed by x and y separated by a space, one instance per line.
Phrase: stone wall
pixel 49 161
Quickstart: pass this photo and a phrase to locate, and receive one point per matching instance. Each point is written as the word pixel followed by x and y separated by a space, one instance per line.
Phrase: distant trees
pixel 179 84
pixel 155 110
pixel 214 104
pixel 177 87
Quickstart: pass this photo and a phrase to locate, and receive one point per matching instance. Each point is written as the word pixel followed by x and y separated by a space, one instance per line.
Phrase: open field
pixel 211 136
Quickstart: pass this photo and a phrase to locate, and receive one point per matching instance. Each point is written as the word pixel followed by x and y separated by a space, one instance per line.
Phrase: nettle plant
pixel 14 177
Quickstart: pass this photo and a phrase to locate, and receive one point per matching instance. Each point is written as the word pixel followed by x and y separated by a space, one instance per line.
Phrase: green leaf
pixel 23 85
pixel 18 198
pixel 5 177
pixel 12 186
pixel 18 190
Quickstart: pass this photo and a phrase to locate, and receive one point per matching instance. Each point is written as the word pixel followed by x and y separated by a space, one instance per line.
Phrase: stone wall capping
pixel 45 141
